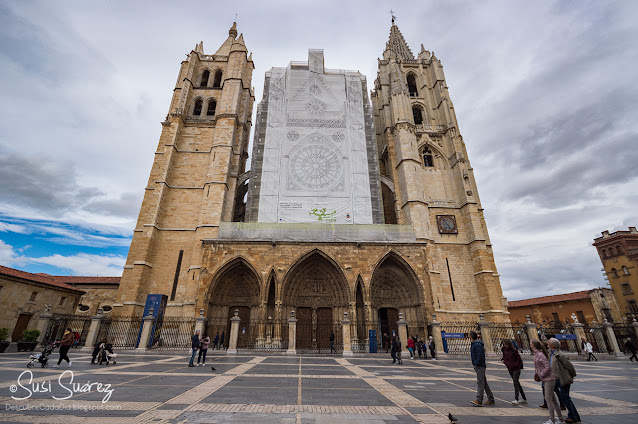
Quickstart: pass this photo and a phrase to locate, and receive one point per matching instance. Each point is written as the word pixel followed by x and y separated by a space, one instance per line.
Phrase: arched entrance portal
pixel 317 291
pixel 395 289
pixel 235 287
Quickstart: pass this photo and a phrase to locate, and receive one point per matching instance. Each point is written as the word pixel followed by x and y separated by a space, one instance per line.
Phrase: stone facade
pixel 99 292
pixel 588 306
pixel 190 243
pixel 24 296
pixel 619 255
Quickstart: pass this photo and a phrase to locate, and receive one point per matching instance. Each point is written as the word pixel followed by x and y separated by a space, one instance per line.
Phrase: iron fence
pixel 263 335
pixel 316 337
pixel 517 333
pixel 624 332
pixel 121 332
pixel 548 330
pixel 59 323
pixel 597 336
pixel 460 342
pixel 172 333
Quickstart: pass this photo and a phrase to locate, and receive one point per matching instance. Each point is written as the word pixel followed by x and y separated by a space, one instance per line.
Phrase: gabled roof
pixel 398 45
pixel 550 299
pixel 70 279
pixel 43 279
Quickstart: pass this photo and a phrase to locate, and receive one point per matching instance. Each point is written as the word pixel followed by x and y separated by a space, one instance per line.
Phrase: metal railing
pixel 59 323
pixel 517 333
pixel 597 336
pixel 458 345
pixel 172 333
pixel 121 332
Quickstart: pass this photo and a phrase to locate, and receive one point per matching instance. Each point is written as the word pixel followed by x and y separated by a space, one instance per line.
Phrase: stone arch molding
pixel 316 280
pixel 394 283
pixel 237 282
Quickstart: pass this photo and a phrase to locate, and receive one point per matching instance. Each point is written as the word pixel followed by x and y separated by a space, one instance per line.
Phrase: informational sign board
pixel 453 335
pixel 372 335
pixel 565 336
pixel 156 302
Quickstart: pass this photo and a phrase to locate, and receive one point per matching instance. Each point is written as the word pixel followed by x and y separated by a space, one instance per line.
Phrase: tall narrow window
pixel 33 296
pixel 625 270
pixel 418 115
pixel 204 81
pixel 449 274
pixel 555 318
pixel 197 110
pixel 177 269
pixel 212 105
pixel 581 317
pixel 615 272
pixel 412 86
pixel 428 160
pixel 218 79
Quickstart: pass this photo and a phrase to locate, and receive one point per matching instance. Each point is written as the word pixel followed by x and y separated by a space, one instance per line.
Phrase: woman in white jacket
pixel 587 347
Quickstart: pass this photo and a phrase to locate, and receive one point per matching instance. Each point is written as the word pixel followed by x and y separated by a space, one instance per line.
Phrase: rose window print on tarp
pixel 315 166
pixel 316 107
pixel 293 135
pixel 338 136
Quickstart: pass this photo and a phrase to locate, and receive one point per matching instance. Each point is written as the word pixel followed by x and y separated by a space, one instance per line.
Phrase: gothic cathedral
pixel 356 203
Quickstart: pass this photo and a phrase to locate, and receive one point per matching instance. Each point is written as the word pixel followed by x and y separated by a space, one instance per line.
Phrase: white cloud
pixel 85 264
pixel 9 256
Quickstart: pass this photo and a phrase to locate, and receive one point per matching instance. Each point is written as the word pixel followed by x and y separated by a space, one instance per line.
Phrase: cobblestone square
pixel 252 388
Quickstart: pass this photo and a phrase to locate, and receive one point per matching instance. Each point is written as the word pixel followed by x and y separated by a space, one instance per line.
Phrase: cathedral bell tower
pixel 428 182
pixel 196 178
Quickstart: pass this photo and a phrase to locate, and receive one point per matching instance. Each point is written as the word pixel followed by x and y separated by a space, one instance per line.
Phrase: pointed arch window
pixel 412 85
pixel 217 82
pixel 212 105
pixel 197 110
pixel 428 158
pixel 417 113
pixel 615 272
pixel 205 76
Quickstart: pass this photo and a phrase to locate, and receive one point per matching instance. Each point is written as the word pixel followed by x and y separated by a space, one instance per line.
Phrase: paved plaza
pixel 254 388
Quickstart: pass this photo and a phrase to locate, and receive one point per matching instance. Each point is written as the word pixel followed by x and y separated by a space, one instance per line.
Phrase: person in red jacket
pixel 65 344
pixel 514 363
pixel 411 347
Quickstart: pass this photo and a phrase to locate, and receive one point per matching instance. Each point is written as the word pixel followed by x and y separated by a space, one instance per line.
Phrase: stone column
pixel 532 333
pixel 199 324
pixel 234 334
pixel 579 331
pixel 147 329
pixel 609 328
pixel 94 330
pixel 635 324
pixel 436 335
pixel 484 328
pixel 43 323
pixel 403 332
pixel 347 345
pixel 292 334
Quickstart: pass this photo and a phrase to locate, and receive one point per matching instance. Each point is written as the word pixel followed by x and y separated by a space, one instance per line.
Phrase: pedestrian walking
pixel 216 341
pixel 221 341
pixel 544 374
pixel 631 347
pixel 194 346
pixel 65 344
pixel 478 361
pixel 204 342
pixel 587 347
pixel 332 342
pixel 432 348
pixel 565 373
pixel 411 347
pixel 386 342
pixel 514 363
pixel 418 344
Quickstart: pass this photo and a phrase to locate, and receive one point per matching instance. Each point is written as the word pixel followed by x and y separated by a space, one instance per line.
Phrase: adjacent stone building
pixel 352 204
pixel 24 296
pixel 588 306
pixel 618 253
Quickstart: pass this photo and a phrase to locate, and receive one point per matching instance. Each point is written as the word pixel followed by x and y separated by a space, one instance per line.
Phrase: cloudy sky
pixel 545 93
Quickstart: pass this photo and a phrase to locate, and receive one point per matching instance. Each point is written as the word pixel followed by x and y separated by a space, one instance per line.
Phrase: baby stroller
pixel 42 358
pixel 106 354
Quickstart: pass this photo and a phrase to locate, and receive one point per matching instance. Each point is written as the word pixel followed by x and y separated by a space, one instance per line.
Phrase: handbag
pixel 536 377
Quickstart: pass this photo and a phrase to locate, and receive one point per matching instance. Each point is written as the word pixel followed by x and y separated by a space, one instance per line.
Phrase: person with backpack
pixel 514 363
pixel 65 344
pixel 565 373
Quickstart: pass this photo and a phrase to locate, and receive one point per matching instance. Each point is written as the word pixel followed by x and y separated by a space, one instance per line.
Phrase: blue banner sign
pixel 453 335
pixel 565 336
pixel 373 341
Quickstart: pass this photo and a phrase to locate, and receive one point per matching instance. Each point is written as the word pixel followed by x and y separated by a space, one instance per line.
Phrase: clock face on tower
pixel 447 224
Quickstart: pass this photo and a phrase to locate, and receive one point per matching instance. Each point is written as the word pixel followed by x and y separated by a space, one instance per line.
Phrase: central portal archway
pixel 316 289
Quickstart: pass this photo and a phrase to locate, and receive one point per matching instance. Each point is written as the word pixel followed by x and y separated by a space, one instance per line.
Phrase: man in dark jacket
pixel 194 346
pixel 631 347
pixel 332 342
pixel 478 360
pixel 395 351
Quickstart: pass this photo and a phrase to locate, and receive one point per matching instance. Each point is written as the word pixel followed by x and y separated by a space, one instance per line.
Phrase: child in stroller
pixel 105 354
pixel 42 358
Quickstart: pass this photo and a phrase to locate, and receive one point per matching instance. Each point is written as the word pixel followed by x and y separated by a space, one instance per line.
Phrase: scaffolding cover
pixel 315 148
pixel 261 231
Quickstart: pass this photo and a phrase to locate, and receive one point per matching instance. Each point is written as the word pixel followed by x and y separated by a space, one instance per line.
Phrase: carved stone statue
pixel 47 309
pixel 575 318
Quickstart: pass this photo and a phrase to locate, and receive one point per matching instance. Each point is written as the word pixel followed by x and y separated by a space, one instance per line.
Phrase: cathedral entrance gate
pixel 314 326
pixel 387 326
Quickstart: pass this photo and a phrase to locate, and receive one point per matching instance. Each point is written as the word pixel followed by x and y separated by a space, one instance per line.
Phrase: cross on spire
pixel 392 14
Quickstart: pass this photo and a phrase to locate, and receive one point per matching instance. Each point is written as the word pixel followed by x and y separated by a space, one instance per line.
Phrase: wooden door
pixel 324 327
pixel 21 325
pixel 304 328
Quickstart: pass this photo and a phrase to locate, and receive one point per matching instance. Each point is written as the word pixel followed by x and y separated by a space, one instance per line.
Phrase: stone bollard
pixel 438 338
pixel 292 334
pixel 199 322
pixel 532 332
pixel 611 336
pixel 579 331
pixel 635 325
pixel 484 328
pixel 147 329
pixel 403 332
pixel 234 334
pixel 94 330
pixel 347 345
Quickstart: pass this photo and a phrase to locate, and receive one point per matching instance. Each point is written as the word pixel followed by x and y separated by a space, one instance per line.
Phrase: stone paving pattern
pixel 254 388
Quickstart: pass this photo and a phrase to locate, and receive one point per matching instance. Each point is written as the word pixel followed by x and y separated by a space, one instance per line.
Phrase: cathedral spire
pixel 397 43
pixel 233 30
